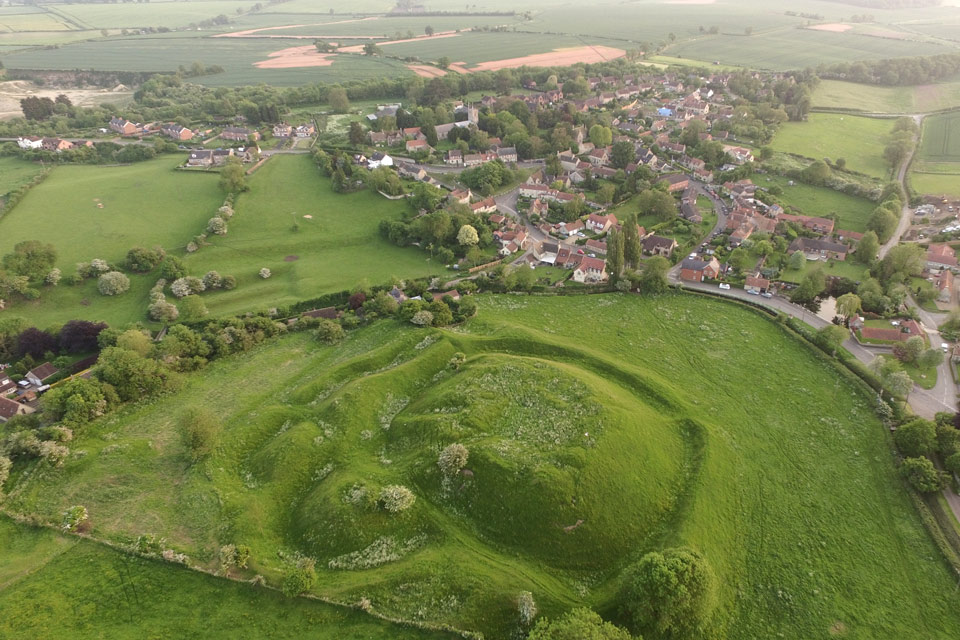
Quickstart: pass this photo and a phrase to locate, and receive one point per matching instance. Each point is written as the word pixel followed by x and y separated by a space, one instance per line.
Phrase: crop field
pixel 236 55
pixel 53 586
pixel 936 169
pixel 335 249
pixel 825 135
pixel 659 431
pixel 171 14
pixel 853 212
pixel 14 22
pixel 791 48
pixel 383 27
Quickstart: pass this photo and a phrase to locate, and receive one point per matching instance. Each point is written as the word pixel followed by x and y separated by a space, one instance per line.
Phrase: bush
pixel 163 311
pixel 53 278
pixel 952 463
pixel 916 438
pixel 217 226
pixel 199 428
pixel 143 260
pixel 578 624
pixel 672 592
pixel 212 280
pixel 113 283
pixel 74 517
pixel 422 318
pixel 228 283
pixel 457 360
pixel 265 273
pixel 329 331
pixel 299 579
pixel 396 498
pixel 5 465
pixel 186 286
pixel 922 475
pixel 527 608
pixel 452 459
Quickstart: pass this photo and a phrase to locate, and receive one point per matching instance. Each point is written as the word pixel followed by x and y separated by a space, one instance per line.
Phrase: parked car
pixel 945 347
pixel 766 294
pixel 724 285
pixel 753 292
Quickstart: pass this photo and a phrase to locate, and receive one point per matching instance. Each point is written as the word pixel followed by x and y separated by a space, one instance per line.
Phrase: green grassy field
pixel 827 135
pixel 53 586
pixel 15 173
pixel 862 97
pixel 853 212
pixel 792 48
pixel 659 430
pixel 936 169
pixel 170 13
pixel 150 204
pixel 846 269
pixel 336 249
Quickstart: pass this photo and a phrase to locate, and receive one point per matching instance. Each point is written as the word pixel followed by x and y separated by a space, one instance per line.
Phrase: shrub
pixel 5 465
pixel 452 459
pixel 952 463
pixel 192 247
pixel 916 438
pixel 172 268
pixel 143 260
pixel 98 266
pixel 192 308
pixel 53 453
pixel 199 428
pixel 265 273
pixel 526 607
pixel 422 318
pixel 53 278
pixel 163 311
pixel 922 475
pixel 396 498
pixel 217 226
pixel 212 280
pixel 186 286
pixel 329 331
pixel 299 579
pixel 578 624
pixel 672 592
pixel 74 517
pixel 229 282
pixel 113 283
pixel 457 360
pixel 225 212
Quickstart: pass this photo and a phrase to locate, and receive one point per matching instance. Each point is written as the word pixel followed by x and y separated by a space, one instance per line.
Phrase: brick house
pixel 177 132
pixel 654 245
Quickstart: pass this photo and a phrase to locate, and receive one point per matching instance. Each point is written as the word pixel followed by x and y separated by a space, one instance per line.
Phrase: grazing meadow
pixel 826 135
pixel 852 212
pixel 586 450
pixel 936 167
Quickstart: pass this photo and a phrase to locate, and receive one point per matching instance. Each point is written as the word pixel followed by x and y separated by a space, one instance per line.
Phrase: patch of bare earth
pixel 13 91
pixel 838 629
pixel 358 48
pixel 291 258
pixel 832 27
pixel 426 71
pixel 293 57
pixel 555 58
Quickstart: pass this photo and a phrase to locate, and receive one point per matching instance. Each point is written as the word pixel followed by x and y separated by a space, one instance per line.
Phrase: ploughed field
pixel 599 427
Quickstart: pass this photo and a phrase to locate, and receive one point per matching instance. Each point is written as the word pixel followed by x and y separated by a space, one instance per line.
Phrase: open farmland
pixel 936 168
pixel 236 55
pixel 852 212
pixel 53 586
pixel 660 431
pixel 791 48
pixel 825 135
pixel 334 250
pixel 171 13
pixel 15 173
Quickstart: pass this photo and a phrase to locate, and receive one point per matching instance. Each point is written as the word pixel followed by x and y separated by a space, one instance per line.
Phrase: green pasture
pixel 172 13
pixel 16 22
pixel 15 173
pixel 659 430
pixel 836 94
pixel 55 586
pixel 387 27
pixel 940 141
pixel 848 268
pixel 336 249
pixel 936 183
pixel 852 212
pixel 826 135
pixel 792 48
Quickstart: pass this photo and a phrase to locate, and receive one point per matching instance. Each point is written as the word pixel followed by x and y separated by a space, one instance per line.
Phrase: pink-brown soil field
pixel 833 27
pixel 293 57
pixel 443 34
pixel 425 71
pixel 556 58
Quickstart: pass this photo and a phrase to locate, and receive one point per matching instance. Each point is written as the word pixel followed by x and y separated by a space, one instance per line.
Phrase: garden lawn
pixel 826 135
pixel 848 268
pixel 338 248
pixel 79 589
pixel 852 212
pixel 937 184
pixel 657 429
pixel 925 378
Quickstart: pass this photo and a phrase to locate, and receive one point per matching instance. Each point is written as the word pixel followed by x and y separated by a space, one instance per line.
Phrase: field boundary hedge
pixel 13 198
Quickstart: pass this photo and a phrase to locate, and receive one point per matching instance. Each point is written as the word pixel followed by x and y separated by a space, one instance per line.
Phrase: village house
pixel 304 130
pixel 413 133
pixel 512 241
pixel 177 132
pixel 546 252
pixel 6 384
pixel 10 408
pixel 908 329
pixel 599 157
pixel 200 158
pixel 282 130
pixel 487 205
pixel 694 270
pixel 507 154
pixel 654 245
pixel 817 249
pixel 945 286
pixel 601 224
pixel 418 146
pixel 476 159
pixel 823 226
pixel 377 138
pixel 30 142
pixel 756 284
pixel 596 246
pixel 740 155
pixel 38 375
pixel 125 127
pixel 460 195
pixel 591 270
pixel 676 182
pixel 454 157
pixel 379 159
pixel 55 144
pixel 567 229
pixel 941 256
pixel 239 134
pixel 220 156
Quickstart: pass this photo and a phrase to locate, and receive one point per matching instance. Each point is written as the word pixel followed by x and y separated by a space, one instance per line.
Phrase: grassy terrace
pixel 656 431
